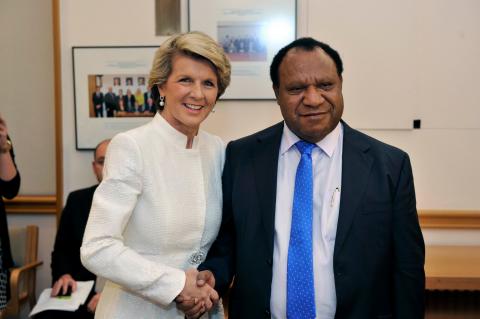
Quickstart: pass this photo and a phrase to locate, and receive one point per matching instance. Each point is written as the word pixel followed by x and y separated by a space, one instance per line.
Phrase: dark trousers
pixel 81 313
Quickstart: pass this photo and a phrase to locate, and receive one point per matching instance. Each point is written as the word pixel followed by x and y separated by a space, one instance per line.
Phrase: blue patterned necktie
pixel 300 287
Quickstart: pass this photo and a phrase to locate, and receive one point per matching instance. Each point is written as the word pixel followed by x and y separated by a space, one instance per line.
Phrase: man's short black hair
pixel 307 44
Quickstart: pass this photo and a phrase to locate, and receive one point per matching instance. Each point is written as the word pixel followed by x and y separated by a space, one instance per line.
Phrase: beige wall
pixel 26 90
pixel 27 103
pixel 444 153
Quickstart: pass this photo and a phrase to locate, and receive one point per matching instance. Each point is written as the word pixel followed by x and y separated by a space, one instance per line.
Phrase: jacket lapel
pixel 265 163
pixel 356 165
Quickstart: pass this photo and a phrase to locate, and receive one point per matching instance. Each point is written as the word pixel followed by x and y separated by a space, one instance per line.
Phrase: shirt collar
pixel 328 144
pixel 173 135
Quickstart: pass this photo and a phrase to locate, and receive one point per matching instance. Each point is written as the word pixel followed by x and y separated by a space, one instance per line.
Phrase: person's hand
pixel 3 133
pixel 62 284
pixel 205 277
pixel 92 304
pixel 194 300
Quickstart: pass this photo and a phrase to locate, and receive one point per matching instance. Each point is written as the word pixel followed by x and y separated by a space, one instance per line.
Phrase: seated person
pixel 66 266
pixel 129 102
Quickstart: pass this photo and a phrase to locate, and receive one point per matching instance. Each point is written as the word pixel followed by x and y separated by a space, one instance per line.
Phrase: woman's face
pixel 190 93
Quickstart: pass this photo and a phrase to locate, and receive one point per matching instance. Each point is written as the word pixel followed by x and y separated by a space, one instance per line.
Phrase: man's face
pixel 99 160
pixel 309 93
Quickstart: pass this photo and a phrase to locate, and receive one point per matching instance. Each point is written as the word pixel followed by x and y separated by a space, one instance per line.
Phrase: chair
pixel 24 246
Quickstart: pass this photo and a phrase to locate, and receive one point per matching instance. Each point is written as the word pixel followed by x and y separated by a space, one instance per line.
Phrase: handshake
pixel 198 295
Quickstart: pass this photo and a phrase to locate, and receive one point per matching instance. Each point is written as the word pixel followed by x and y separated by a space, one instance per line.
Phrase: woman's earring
pixel 161 103
pixel 213 110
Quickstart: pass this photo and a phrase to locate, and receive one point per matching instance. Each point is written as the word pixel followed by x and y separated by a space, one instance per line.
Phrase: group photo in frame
pixel 110 91
pixel 251 33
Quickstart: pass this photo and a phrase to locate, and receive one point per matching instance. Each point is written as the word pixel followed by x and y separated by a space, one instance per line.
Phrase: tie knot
pixel 305 147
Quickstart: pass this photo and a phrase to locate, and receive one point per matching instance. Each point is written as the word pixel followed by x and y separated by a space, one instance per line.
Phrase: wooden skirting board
pixel 455 219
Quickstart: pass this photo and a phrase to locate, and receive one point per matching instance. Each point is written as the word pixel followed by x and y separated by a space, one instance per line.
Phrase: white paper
pixel 46 302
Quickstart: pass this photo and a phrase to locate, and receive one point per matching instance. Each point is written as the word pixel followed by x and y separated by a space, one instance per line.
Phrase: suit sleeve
pixel 103 250
pixel 409 249
pixel 63 255
pixel 221 256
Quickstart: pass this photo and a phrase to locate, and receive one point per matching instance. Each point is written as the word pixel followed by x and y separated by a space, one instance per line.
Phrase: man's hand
pixel 196 299
pixel 62 284
pixel 205 277
pixel 92 304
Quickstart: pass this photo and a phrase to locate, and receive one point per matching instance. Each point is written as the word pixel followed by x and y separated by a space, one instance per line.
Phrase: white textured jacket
pixel 155 214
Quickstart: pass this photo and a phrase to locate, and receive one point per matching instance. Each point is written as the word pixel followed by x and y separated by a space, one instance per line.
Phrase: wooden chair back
pixel 24 246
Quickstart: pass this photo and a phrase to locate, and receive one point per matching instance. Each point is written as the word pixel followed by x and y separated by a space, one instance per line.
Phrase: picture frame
pixel 251 33
pixel 118 73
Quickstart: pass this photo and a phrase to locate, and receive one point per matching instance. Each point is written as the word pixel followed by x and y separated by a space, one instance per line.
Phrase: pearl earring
pixel 161 103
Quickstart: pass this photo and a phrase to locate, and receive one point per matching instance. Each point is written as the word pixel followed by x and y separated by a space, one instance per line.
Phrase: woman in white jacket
pixel 158 208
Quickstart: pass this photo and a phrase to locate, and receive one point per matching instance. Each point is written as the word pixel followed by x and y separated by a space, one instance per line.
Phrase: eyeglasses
pixel 100 161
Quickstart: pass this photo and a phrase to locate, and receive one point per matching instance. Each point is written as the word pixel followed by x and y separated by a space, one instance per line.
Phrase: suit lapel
pixel 265 163
pixel 356 164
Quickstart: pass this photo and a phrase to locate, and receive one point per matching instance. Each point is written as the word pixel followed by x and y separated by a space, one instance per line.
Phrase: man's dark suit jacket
pixel 379 250
pixel 129 103
pixel 66 251
pixel 97 99
pixel 110 103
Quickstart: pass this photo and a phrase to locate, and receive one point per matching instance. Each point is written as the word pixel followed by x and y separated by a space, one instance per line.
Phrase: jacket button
pixel 269 262
pixel 267 313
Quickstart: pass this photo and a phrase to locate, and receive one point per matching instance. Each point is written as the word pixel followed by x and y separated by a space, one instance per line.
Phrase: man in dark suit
pixel 97 99
pixel 129 102
pixel 319 220
pixel 110 103
pixel 67 268
pixel 148 99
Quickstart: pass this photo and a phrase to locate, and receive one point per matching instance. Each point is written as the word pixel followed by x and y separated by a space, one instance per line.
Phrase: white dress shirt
pixel 327 176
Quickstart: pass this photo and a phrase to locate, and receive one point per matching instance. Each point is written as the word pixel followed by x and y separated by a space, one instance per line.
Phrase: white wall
pixel 440 52
pixel 444 153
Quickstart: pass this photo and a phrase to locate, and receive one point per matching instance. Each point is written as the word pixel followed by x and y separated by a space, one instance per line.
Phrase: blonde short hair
pixel 195 44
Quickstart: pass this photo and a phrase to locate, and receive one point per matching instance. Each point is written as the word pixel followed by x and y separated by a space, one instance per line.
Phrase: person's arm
pixel 409 249
pixel 9 177
pixel 63 254
pixel 7 166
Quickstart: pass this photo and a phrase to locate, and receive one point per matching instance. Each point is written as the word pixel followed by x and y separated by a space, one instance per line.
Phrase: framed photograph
pixel 110 91
pixel 251 33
